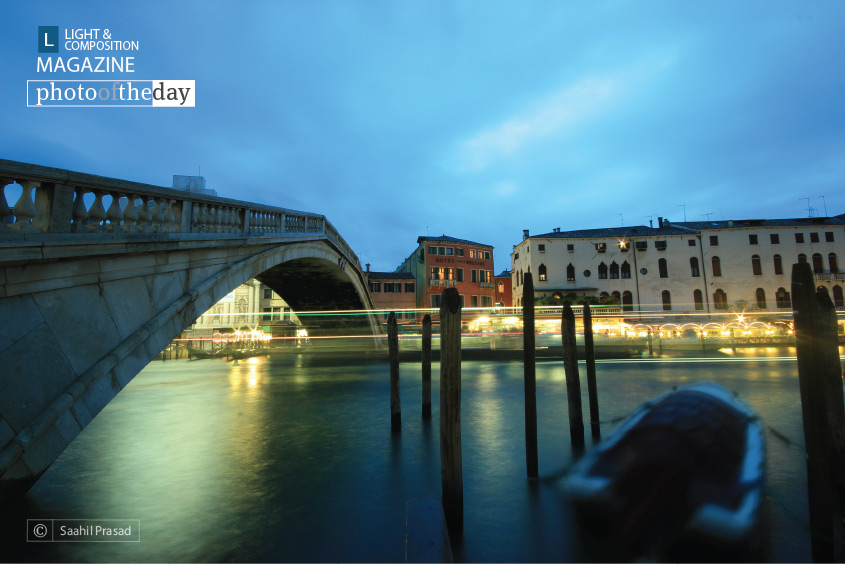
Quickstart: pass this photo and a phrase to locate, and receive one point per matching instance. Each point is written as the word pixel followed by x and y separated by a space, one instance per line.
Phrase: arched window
pixel 778 264
pixel 720 299
pixel 837 296
pixel 761 298
pixel 667 300
pixel 698 298
pixel 822 289
pixel 614 270
pixel 603 296
pixel 602 271
pixel 782 298
pixel 802 258
pixel 521 277
pixel 717 266
pixel 542 272
pixel 617 296
pixel 818 265
pixel 661 266
pixel 626 270
pixel 627 301
pixel 831 261
pixel 756 267
pixel 693 267
pixel 570 272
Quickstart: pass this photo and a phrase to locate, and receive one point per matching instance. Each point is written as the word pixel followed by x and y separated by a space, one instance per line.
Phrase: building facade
pixel 393 291
pixel 685 268
pixel 252 304
pixel 504 288
pixel 446 262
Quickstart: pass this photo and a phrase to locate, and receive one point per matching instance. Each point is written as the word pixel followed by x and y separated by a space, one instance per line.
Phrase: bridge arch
pixel 84 311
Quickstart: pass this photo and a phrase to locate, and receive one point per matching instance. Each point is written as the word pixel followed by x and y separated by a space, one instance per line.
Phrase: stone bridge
pixel 98 275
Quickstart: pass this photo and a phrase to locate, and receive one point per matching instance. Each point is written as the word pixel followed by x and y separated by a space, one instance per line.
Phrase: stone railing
pixel 56 201
pixel 829 275
pixel 488 285
pixel 437 282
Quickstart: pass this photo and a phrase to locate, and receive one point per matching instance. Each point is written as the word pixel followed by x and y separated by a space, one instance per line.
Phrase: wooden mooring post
pixel 393 352
pixel 573 380
pixel 590 351
pixel 426 367
pixel 451 468
pixel 829 352
pixel 812 381
pixel 530 375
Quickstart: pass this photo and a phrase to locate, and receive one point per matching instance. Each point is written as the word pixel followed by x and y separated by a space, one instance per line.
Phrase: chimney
pixel 659 222
pixel 368 267
pixel 524 234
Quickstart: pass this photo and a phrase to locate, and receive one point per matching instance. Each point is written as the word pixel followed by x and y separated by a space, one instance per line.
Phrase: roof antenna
pixel 622 219
pixel 707 215
pixel 685 211
pixel 809 209
pixel 825 206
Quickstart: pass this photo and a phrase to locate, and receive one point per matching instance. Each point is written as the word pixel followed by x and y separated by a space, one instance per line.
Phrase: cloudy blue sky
pixel 476 119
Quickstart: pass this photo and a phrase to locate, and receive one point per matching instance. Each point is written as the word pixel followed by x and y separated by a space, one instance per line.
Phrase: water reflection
pixel 293 460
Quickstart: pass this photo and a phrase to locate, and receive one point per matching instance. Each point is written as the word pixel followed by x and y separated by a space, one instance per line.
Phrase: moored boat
pixel 687 465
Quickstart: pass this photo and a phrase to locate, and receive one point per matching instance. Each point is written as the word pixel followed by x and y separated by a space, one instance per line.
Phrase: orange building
pixel 393 291
pixel 504 288
pixel 446 262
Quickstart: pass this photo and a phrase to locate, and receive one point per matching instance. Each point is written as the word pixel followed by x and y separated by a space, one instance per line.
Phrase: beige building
pixel 251 304
pixel 685 268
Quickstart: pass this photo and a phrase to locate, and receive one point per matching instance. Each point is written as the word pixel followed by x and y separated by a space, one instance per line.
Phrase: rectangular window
pixel 486 255
pixel 463 301
pixel 460 275
pixel 472 253
pixel 441 250
pixel 267 315
pixel 660 245
pixel 375 287
pixel 641 245
pixel 393 287
pixel 435 300
pixel 570 247
pixel 409 287
pixel 473 276
pixel 799 237
pixel 714 240
pixel 541 248
pixel 486 301
pixel 828 236
pixel 432 250
pixel 691 242
pixel 774 238
pixel 450 273
pixel 814 237
pixel 601 247
pixel 752 239
pixel 268 293
pixel 459 252
pixel 515 256
pixel 474 301
pixel 450 251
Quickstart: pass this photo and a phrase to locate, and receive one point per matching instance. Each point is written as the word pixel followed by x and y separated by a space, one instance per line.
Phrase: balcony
pixel 829 275
pixel 486 285
pixel 436 282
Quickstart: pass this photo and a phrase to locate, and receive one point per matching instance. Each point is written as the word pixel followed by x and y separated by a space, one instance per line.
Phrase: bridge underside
pixel 76 331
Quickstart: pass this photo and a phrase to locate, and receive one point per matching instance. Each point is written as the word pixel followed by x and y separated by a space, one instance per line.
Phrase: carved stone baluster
pixel 24 210
pixel 144 216
pixel 97 213
pixel 158 217
pixel 130 215
pixel 195 220
pixel 224 219
pixel 175 208
pixel 218 219
pixel 169 217
pixel 203 218
pixel 237 221
pixel 5 211
pixel 114 214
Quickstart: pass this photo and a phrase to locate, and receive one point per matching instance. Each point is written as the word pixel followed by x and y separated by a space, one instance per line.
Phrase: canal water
pixel 292 459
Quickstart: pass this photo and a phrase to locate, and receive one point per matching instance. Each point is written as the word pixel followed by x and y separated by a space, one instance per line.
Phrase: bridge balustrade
pixel 54 201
